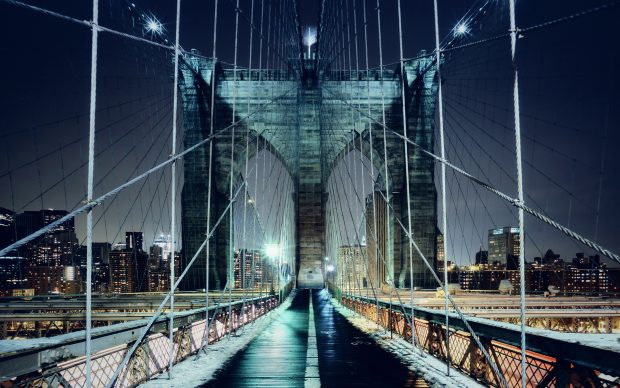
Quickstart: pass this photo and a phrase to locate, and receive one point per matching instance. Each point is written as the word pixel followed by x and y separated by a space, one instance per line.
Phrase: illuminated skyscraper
pixel 504 247
pixel 134 241
pixel 7 227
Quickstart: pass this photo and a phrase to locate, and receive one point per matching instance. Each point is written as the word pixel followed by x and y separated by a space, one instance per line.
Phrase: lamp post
pixel 272 252
pixel 325 280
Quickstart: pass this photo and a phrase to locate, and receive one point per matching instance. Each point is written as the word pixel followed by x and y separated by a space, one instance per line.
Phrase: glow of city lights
pixel 153 25
pixel 272 250
pixel 461 29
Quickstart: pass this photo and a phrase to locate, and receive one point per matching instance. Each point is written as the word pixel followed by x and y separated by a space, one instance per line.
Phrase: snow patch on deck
pixel 194 373
pixel 428 367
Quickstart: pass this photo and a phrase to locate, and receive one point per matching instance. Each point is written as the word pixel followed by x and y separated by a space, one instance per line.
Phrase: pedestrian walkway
pixel 312 345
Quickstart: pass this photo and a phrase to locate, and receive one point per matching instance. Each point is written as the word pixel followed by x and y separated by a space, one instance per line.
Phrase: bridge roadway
pixel 312 345
pixel 39 312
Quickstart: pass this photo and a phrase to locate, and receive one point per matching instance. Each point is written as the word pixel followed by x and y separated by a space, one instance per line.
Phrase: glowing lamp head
pixel 461 29
pixel 153 26
pixel 309 38
pixel 329 268
pixel 272 250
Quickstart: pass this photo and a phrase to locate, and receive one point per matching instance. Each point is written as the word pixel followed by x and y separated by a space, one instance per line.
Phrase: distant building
pixel 54 279
pixel 164 241
pixel 159 268
pixel 12 273
pixel 567 278
pixel 245 276
pixel 550 258
pixel 482 257
pixel 122 272
pixel 440 253
pixel 101 266
pixel 504 247
pixel 134 241
pixel 101 252
pixel 101 269
pixel 27 223
pixel 8 230
pixel 588 280
pixel 586 262
pixel 56 247
pixel 119 246
pixel 129 267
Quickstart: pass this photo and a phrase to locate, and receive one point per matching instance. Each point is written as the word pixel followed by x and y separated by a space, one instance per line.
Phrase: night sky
pixel 570 104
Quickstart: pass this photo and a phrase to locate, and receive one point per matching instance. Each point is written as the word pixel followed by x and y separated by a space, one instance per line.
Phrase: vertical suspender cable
pixel 205 341
pixel 279 62
pixel 348 34
pixel 444 218
pixel 255 219
pixel 371 148
pixel 359 117
pixel 231 258
pixel 341 47
pixel 517 119
pixel 173 189
pixel 268 49
pixel 247 155
pixel 89 195
pixel 387 180
pixel 407 183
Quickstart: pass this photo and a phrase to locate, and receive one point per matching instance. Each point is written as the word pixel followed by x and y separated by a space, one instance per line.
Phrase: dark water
pixel 346 356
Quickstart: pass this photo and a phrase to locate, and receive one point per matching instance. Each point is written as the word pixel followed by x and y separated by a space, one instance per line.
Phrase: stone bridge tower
pixel 310 104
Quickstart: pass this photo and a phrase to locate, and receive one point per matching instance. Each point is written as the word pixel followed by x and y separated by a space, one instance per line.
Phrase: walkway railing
pixel 550 361
pixel 60 361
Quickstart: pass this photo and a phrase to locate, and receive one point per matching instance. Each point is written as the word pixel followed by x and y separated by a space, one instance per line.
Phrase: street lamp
pixel 461 29
pixel 309 38
pixel 329 268
pixel 272 250
pixel 153 26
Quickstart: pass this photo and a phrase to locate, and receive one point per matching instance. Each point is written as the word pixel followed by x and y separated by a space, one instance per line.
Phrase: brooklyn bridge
pixel 302 194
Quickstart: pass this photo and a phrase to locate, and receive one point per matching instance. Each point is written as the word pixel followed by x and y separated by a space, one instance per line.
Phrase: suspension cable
pixel 247 156
pixel 205 340
pixel 173 190
pixel 444 219
pixel 89 195
pixel 406 154
pixel 390 255
pixel 231 255
pixel 517 122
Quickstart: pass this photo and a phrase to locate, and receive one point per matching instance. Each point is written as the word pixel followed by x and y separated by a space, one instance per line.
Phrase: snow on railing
pixel 57 361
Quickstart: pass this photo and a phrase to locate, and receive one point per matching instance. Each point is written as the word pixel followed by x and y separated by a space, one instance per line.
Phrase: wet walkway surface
pixel 308 333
